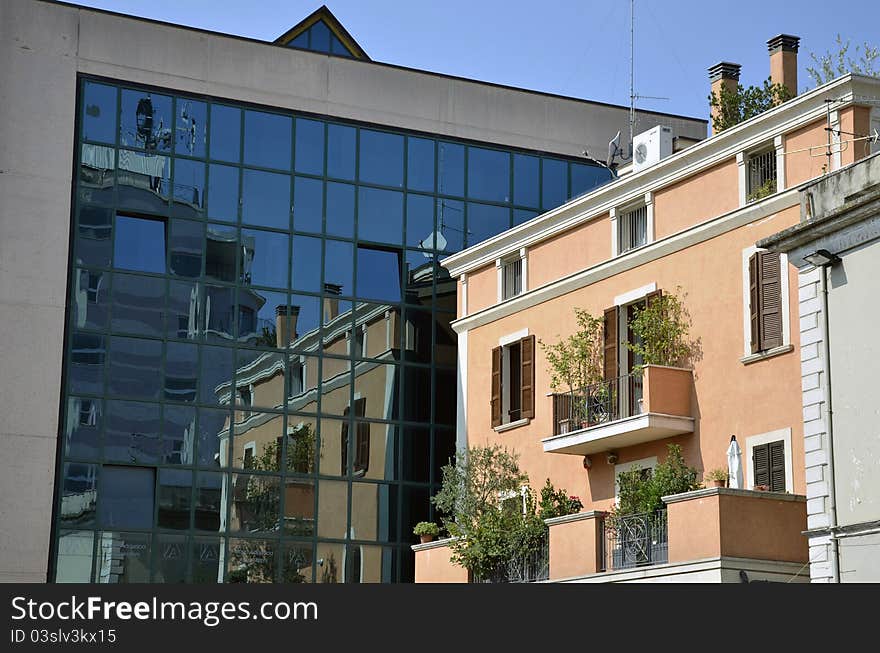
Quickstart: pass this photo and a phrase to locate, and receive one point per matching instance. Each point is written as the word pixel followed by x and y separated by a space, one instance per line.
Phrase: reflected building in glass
pixel 259 374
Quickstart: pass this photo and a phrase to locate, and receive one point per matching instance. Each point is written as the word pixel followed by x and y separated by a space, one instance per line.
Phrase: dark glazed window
pixel 420 164
pixel 309 147
pixel 175 499
pixel 223 193
pixel 306 264
pixel 526 180
pixel 146 121
pixel 265 258
pixel 554 183
pixel 78 494
pixel 135 368
pixel 340 210
pixel 138 305
pixel 485 221
pixel 380 215
pixel 450 224
pixel 339 266
pixel 450 162
pixel 308 204
pixel 127 497
pixel 267 140
pixel 584 178
pixel 181 371
pixel 186 242
pixel 225 133
pixel 191 128
pixel 93 244
pixel 188 190
pixel 381 158
pixel 488 175
pixel 341 146
pixel 420 221
pixel 139 244
pixel 99 113
pixel 379 273
pixel 320 38
pixel 265 199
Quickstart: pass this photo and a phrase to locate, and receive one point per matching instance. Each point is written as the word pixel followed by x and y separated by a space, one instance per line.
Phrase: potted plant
pixel 717 476
pixel 426 531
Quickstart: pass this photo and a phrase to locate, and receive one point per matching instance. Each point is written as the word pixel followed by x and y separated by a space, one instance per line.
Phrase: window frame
pixel 785 306
pixel 619 213
pixel 504 350
pixel 770 437
pixel 501 267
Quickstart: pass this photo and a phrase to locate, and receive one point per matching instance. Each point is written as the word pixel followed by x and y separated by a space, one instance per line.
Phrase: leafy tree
pixel 734 107
pixel 640 491
pixel 662 329
pixel 576 362
pixel 556 503
pixel 832 65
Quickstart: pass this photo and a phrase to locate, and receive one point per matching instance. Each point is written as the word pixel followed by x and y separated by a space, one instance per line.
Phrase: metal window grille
pixel 632 229
pixel 512 279
pixel 761 174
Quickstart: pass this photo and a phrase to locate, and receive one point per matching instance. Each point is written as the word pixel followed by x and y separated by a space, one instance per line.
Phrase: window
pixel 513 381
pixel 760 175
pixel 511 278
pixel 361 461
pixel 632 229
pixel 139 244
pixel 88 412
pixel 765 301
pixel 768 465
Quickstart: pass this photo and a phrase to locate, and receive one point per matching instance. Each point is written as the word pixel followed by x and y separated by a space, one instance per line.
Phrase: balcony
pixel 640 407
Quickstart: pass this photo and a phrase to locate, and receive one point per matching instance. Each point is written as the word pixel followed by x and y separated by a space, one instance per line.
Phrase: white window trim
pixel 250 446
pixel 503 342
pixel 500 262
pixel 646 201
pixel 641 463
pixel 779 145
pixel 634 295
pixel 766 438
pixel 463 279
pixel 748 356
pixel 513 337
pixel 835 140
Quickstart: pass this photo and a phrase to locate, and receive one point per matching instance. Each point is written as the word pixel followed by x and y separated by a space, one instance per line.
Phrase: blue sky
pixel 570 47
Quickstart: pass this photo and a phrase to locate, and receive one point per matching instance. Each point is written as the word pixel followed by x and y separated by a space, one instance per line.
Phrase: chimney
pixel 723 75
pixel 331 301
pixel 285 325
pixel 783 61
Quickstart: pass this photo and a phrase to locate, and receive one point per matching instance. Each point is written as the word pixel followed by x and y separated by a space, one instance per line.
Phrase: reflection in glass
pixel 381 158
pixel 191 127
pixel 320 37
pixel 488 175
pixel 450 223
pixel 374 511
pixel 97 174
pixel 380 215
pixel 379 274
pixel 82 429
pixel 420 164
pixel 223 193
pixel 78 495
pixel 251 561
pixel 146 121
pixel 256 503
pixel 133 432
pixel 308 204
pixel 181 371
pixel 181 318
pixel 209 505
pixel 265 199
pixel 554 183
pixel 169 564
pixel 135 368
pixel 450 164
pixel 444 452
pixel 86 371
pixel 415 446
pixel 330 560
pixel 123 558
pixel 341 145
pixel 186 244
pixel 225 133
pixel 267 140
pixel 188 190
pixel 309 146
pixel 99 113
pixel 205 553
pixel 138 304
pixel 584 178
pixel 332 505
pixel 338 271
pixel 420 221
pixel 265 258
pixel 139 244
pixel 526 180
pixel 415 507
pixel 305 317
pixel 213 435
pixel 340 210
pixel 219 312
pixel 299 449
pixel 93 243
pixel 306 264
pixel 268 327
pixel 178 435
pixel 297 564
pixel 175 499
pixel 144 181
pixel 74 561
pixel 260 381
pixel 221 252
pixel 485 221
pixel 215 380
pixel 127 497
pixel 522 215
pixel 90 302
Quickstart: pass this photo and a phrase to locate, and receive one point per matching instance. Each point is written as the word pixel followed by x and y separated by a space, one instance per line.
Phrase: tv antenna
pixel 633 96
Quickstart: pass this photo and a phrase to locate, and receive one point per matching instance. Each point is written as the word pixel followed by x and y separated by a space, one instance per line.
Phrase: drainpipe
pixel 829 430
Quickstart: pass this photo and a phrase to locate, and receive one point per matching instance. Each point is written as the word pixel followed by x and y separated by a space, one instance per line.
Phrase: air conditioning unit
pixel 651 146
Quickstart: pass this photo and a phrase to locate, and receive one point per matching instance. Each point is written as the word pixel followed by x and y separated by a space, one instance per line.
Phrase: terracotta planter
pixel 719 483
pixel 426 538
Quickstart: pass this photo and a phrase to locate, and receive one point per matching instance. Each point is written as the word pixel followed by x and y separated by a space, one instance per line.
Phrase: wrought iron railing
pixel 531 568
pixel 603 402
pixel 635 541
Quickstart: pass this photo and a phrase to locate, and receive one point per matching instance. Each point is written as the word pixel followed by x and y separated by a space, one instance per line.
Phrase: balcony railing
pixel 531 568
pixel 635 541
pixel 603 402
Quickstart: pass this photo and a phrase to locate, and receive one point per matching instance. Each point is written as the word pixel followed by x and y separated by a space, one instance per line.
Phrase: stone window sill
pixel 763 355
pixel 512 425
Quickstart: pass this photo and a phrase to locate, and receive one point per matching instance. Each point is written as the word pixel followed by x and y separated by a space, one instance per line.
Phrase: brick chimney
pixel 331 301
pixel 285 325
pixel 723 75
pixel 783 60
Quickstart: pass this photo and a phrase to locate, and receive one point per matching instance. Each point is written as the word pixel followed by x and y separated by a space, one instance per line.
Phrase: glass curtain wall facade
pixel 260 369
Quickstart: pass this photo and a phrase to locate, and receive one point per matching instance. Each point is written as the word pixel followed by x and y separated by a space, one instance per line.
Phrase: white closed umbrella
pixel 734 464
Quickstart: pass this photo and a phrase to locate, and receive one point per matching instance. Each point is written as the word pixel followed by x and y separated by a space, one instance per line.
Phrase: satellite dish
pixel 613 150
pixel 435 240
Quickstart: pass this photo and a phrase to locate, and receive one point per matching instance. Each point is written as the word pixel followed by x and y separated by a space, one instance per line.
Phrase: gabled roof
pixel 301 33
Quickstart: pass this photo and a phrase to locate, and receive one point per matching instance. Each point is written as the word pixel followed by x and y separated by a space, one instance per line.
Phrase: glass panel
pixel 320 37
pixel 450 162
pixel 90 302
pixel 380 215
pixel 127 497
pixel 144 181
pixel 260 382
pixel 306 264
pixel 301 41
pixel 223 193
pixel 420 221
pixel 332 506
pixel 485 221
pixel 170 553
pixel 133 432
pixel 221 252
pixel 444 452
pixel 269 329
pixel 265 258
pixel 188 192
pixel 330 559
pixel 181 370
pixel 210 510
pixel 255 503
pixel 97 174
pixel 216 376
pixel 82 429
pixel 308 204
pixel 336 377
pixel 450 224
pixel 330 461
pixel 379 274
pixel 74 562
pixel 251 561
pixel 340 210
pixel 444 398
pixel 338 272
pixel 381 158
pixel 417 391
pixel 139 244
pixel 78 494
pixel 585 178
pixel 420 164
pixel 336 47
pixel 297 564
pixel 219 313
pixel 267 140
pixel 135 368
pixel 341 146
pixel 178 435
pixel 213 445
pixel 526 185
pixel 123 558
pixel 416 455
pixel 301 442
pixel 87 352
pixel 138 304
pixel 309 146
pixel 182 315
pixel 265 199
pixel 186 241
pixel 225 133
pixel 374 511
pixel 191 127
pixel 307 319
pixel 205 556
pixel 521 215
pixel 175 498
pixel 488 174
pixel 99 113
pixel 554 184
pixel 415 507
pixel 146 121
pixel 93 243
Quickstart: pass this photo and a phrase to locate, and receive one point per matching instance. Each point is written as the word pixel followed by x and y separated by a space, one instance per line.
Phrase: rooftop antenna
pixel 633 96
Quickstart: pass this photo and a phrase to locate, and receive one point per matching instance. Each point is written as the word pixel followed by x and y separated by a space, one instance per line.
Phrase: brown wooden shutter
pixel 610 336
pixel 344 443
pixel 527 377
pixel 754 303
pixel 651 297
pixel 496 387
pixel 761 464
pixel 777 466
pixel 771 300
